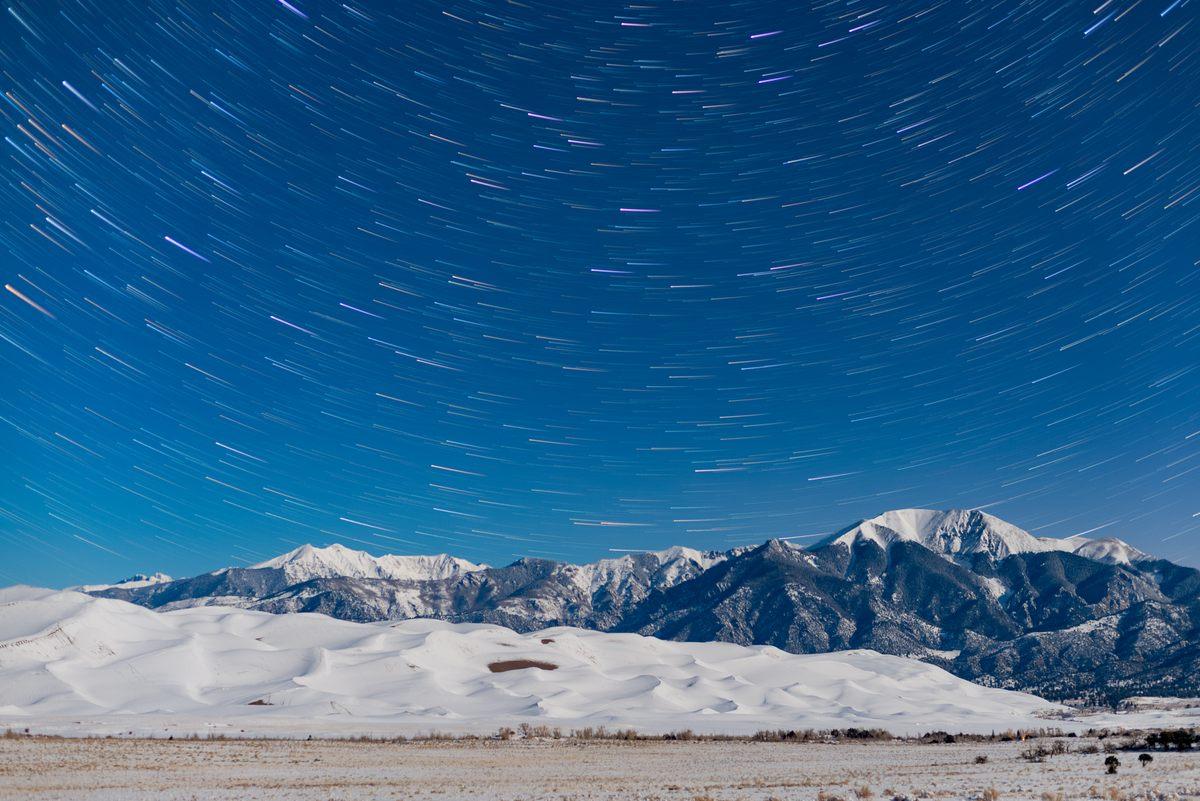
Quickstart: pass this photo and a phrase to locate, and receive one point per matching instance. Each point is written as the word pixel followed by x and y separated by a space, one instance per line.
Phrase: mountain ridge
pixel 958 532
pixel 308 562
pixel 961 589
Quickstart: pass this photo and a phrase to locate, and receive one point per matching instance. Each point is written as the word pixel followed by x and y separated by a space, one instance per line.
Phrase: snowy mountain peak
pixel 309 562
pixel 704 558
pixel 952 533
pixel 662 569
pixel 959 532
pixel 1111 550
pixel 682 555
pixel 144 580
pixel 136 581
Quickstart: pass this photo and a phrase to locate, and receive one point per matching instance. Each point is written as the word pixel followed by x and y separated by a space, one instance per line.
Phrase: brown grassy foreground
pixel 41 769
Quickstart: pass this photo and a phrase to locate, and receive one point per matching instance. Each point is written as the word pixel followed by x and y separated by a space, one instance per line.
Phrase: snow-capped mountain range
pixel 961 589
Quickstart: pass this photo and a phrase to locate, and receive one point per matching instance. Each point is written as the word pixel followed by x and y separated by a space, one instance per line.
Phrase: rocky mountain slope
pixel 1064 618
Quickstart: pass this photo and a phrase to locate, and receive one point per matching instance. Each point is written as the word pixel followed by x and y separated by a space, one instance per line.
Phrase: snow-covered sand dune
pixel 64 655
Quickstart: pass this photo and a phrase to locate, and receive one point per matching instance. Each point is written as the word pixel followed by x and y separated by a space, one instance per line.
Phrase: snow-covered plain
pixel 122 769
pixel 74 663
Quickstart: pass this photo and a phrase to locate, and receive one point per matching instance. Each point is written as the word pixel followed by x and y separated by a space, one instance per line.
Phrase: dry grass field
pixel 42 769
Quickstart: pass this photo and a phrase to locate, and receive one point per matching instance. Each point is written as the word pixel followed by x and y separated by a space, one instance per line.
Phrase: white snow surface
pixel 309 562
pixel 960 532
pixel 96 663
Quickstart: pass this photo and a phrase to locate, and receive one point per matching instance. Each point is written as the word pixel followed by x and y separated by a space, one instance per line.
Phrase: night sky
pixel 557 279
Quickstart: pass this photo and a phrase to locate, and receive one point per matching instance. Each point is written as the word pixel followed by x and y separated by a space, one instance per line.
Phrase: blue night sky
pixel 550 279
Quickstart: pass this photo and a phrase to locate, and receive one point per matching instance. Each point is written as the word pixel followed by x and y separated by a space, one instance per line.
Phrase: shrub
pixel 603 733
pixel 529 732
pixel 1183 739
pixel 1036 752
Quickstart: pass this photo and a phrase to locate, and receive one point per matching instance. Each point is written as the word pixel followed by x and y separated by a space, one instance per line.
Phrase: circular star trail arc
pixel 547 279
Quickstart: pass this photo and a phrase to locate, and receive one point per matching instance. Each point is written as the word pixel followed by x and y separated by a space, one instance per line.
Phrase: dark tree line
pixel 1180 739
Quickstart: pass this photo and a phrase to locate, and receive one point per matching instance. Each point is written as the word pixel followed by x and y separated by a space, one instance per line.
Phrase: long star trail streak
pixel 550 279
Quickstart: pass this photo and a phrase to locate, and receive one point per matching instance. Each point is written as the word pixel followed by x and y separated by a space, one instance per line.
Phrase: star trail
pixel 555 279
